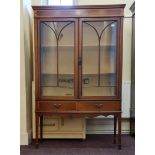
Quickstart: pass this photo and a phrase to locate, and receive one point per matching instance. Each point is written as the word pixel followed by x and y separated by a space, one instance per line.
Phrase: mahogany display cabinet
pixel 78 63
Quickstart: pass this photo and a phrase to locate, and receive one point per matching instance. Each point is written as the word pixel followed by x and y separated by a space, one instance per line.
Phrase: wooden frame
pixel 118 55
pixel 75 60
pixel 78 105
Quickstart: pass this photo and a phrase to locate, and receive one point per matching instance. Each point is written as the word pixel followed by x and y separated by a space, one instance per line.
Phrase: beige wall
pixel 23 123
pixel 36 2
pixel 26 57
pixel 25 72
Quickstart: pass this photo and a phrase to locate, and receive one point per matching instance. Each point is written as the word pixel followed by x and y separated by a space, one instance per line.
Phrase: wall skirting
pixel 26 138
pixel 126 95
pixel 105 126
pixel 100 125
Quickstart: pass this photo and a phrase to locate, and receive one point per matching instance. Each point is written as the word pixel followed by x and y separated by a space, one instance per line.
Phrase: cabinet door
pixel 99 54
pixel 57 58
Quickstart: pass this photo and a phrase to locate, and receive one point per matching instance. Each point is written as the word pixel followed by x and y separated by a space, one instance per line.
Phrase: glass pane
pixel 99 58
pixel 57 58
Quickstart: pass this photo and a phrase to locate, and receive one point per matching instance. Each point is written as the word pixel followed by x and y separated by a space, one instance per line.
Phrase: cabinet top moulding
pixel 79 11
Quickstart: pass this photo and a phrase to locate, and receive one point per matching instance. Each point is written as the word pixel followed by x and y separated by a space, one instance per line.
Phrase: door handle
pixel 99 105
pixel 79 61
pixel 57 106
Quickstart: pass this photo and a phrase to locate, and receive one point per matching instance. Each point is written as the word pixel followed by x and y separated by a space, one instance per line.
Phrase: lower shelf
pixel 57 127
pixel 86 91
pixel 64 135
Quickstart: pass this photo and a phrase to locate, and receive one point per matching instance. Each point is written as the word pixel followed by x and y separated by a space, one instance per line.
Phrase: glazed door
pixel 98 53
pixel 58 48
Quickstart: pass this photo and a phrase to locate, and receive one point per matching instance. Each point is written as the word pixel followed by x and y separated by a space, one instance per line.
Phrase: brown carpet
pixel 93 145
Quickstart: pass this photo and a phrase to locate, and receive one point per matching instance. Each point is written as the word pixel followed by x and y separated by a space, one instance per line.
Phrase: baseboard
pixel 94 126
pixel 26 138
pixel 105 126
pixel 105 132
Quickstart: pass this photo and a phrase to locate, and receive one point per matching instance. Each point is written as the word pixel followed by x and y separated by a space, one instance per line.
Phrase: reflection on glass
pixel 57 58
pixel 99 58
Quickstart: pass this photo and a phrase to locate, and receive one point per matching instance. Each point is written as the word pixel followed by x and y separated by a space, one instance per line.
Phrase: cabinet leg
pixel 36 138
pixel 115 123
pixel 41 128
pixel 119 131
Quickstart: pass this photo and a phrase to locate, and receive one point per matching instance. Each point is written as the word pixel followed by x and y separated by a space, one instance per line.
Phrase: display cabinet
pixel 78 62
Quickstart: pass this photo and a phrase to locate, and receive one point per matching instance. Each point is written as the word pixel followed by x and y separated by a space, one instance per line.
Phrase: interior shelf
pixel 69 74
pixel 108 73
pixel 86 47
pixel 54 74
pixel 56 86
pixel 105 47
pixel 96 86
pixel 73 87
pixel 53 48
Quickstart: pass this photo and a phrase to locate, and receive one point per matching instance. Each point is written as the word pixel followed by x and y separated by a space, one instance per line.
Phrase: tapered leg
pixel 119 131
pixel 115 123
pixel 41 128
pixel 37 122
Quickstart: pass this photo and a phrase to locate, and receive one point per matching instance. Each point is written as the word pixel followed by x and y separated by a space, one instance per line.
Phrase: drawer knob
pixel 57 106
pixel 99 105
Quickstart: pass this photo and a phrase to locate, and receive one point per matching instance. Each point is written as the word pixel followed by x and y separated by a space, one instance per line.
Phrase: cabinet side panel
pixel 36 60
pixel 120 59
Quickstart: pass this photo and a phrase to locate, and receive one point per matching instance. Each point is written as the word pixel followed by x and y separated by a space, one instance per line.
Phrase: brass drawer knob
pixel 98 105
pixel 57 106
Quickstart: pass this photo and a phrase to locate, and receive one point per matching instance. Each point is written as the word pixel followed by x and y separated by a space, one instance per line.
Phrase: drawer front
pixel 99 106
pixel 45 106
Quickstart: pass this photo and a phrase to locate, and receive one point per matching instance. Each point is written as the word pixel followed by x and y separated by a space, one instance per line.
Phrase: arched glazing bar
pixel 57 37
pixel 99 36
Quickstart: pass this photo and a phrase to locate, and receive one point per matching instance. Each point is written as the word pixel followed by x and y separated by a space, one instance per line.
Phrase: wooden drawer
pixel 48 106
pixel 99 106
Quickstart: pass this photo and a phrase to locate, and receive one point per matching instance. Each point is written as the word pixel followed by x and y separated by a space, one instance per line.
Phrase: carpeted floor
pixel 93 145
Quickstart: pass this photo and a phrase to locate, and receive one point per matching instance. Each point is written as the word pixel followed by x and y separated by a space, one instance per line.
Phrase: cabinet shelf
pixel 46 48
pixel 61 74
pixel 73 87
pixel 96 86
pixel 56 86
pixel 54 74
pixel 105 47
pixel 53 48
pixel 101 74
